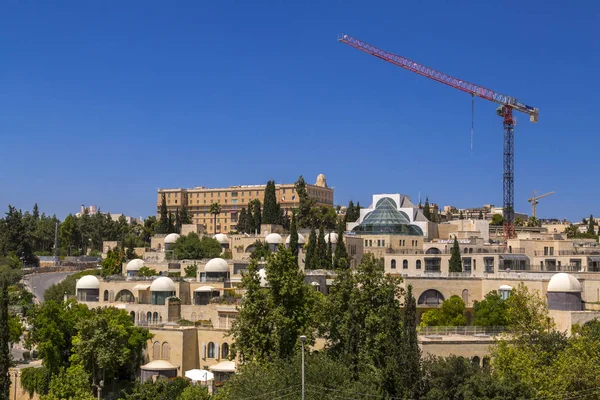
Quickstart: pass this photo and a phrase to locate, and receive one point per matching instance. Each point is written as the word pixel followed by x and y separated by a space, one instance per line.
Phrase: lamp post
pixel 99 387
pixel 303 339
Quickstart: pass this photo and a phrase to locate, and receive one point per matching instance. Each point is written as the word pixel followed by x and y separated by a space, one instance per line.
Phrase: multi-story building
pixel 199 199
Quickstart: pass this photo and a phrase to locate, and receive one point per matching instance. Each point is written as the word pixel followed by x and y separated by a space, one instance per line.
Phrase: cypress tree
pixel 591 225
pixel 480 214
pixel 455 259
pixel 294 237
pixel 242 221
pixel 177 220
pixel 163 223
pixel 357 211
pixel 249 219
pixel 185 215
pixel 350 212
pixel 412 353
pixel 270 207
pixel 311 248
pixel 328 263
pixel 305 204
pixel 170 225
pixel 426 211
pixel 340 257
pixel 321 251
pixel 5 358
pixel 256 215
pixel 461 215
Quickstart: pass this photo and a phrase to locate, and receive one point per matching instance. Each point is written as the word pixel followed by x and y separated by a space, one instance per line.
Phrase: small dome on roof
pixel 216 265
pixel 171 238
pixel 331 236
pixel 162 284
pixel 564 283
pixel 321 181
pixel 262 275
pixel 88 282
pixel 221 238
pixel 300 239
pixel 158 365
pixel 274 238
pixel 134 265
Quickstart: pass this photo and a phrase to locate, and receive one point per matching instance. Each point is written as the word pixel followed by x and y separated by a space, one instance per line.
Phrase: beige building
pixel 199 199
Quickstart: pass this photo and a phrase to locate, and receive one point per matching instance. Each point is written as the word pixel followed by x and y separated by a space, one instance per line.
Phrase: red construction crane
pixel 507 105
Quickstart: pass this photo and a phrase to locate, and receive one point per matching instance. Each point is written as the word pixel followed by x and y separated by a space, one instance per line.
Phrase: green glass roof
pixel 387 219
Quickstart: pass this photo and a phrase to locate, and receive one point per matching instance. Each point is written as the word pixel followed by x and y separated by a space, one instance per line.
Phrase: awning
pixel 206 289
pixel 514 257
pixel 158 365
pixel 141 287
pixel 225 366
pixel 594 258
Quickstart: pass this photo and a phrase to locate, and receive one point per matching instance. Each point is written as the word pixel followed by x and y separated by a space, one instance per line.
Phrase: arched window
pixel 486 361
pixel 166 351
pixel 125 296
pixel 224 351
pixel 476 360
pixel 433 250
pixel 211 350
pixel 156 351
pixel 149 317
pixel 470 250
pixel 393 266
pixel 431 297
pixel 465 297
pixel 106 295
pixel 132 315
pixel 155 318
pixel 405 264
pixel 418 264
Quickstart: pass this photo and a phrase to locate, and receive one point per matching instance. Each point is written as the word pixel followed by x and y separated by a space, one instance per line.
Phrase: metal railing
pixel 462 330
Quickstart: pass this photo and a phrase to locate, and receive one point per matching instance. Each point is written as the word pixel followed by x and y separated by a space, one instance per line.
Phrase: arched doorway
pixel 431 297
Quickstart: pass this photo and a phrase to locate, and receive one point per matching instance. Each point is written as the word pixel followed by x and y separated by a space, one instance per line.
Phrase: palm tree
pixel 215 209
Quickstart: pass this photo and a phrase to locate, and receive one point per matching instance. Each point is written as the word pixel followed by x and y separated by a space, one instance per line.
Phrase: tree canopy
pixel 191 247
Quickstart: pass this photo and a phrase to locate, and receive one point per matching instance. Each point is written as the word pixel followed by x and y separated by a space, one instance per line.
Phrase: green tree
pixel 261 250
pixel 191 271
pixel 270 207
pixel 491 311
pixel 451 313
pixel 294 237
pixel 591 224
pixel 57 291
pixel 461 215
pixel 191 247
pixel 340 256
pixel 328 261
pixel 411 362
pixel 72 383
pixel 163 222
pixel 256 215
pixel 162 389
pixel 426 209
pixel 185 215
pixel 455 264
pixel 527 313
pixel 146 272
pixel 320 255
pixel 519 221
pixel 480 215
pixel 113 263
pixel 15 329
pixel 305 204
pixel 497 220
pixel 215 209
pixel 5 358
pixel 242 225
pixel 311 248
pixel 194 392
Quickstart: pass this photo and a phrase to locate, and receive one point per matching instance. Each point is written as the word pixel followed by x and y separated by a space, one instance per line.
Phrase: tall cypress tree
pixel 320 257
pixel 591 225
pixel 242 221
pixel 4 337
pixel 177 220
pixel 340 257
pixel 412 354
pixel 455 259
pixel 185 215
pixel 163 223
pixel 256 215
pixel 350 212
pixel 294 237
pixel 270 207
pixel 309 260
pixel 426 211
pixel 328 263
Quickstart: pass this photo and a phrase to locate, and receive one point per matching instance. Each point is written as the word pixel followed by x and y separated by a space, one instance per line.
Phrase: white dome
pixel 216 265
pixel 300 239
pixel 331 236
pixel 88 282
pixel 262 275
pixel 221 238
pixel 505 287
pixel 274 238
pixel 134 265
pixel 162 284
pixel 564 283
pixel 171 238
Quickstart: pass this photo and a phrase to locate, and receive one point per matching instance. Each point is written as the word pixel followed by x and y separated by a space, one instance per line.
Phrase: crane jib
pixel 468 87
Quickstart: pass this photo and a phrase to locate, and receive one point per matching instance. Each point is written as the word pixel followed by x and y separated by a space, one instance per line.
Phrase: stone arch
pixel 125 296
pixel 132 315
pixel 433 250
pixel 225 350
pixel 465 296
pixel 149 317
pixel 210 350
pixel 418 264
pixel 156 351
pixel 404 264
pixel 431 297
pixel 105 298
pixel 393 266
pixel 155 318
pixel 166 351
pixel 476 360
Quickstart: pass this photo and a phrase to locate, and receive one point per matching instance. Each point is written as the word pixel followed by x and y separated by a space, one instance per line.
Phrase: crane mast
pixel 505 110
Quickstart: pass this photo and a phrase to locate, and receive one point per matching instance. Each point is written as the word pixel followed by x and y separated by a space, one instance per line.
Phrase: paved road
pixel 38 283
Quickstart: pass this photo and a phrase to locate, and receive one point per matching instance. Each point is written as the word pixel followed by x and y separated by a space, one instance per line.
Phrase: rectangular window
pixel 234 194
pixel 467 264
pixel 370 243
pixel 233 201
pixel 488 263
pixel 383 242
pixel 545 251
pixel 551 251
pixel 366 242
pixel 378 243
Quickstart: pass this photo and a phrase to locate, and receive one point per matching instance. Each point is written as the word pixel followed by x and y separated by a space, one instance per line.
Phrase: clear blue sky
pixel 103 102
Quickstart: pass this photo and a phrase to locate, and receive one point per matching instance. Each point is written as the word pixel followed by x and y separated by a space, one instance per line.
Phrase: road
pixel 38 283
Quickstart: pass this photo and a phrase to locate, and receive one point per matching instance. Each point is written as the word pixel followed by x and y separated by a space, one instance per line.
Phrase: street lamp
pixel 303 339
pixel 99 387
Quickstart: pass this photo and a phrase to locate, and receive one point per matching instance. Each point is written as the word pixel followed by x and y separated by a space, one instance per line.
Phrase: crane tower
pixel 505 110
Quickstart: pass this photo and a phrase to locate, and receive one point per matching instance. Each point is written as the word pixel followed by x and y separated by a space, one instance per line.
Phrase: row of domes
pixel 272 238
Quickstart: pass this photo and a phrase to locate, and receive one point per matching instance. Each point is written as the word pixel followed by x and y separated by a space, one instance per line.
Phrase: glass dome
pixel 387 219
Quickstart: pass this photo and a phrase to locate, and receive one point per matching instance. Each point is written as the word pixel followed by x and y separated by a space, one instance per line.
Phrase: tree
pixel 455 264
pixel 328 261
pixel 305 204
pixel 527 313
pixel 256 215
pixel 311 248
pixel 491 311
pixel 340 256
pixel 270 207
pixel 533 222
pixel 426 210
pixel 294 237
pixel 162 389
pixel 163 222
pixel 412 353
pixel 461 215
pixel 113 263
pixel 451 313
pixel 480 215
pixel 215 209
pixel 519 221
pixel 194 392
pixel 191 271
pixel 261 250
pixel 146 272
pixel 320 256
pixel 591 225
pixel 5 359
pixel 72 383
pixel 185 215
pixel 57 291
pixel 242 224
pixel 497 220
pixel 191 247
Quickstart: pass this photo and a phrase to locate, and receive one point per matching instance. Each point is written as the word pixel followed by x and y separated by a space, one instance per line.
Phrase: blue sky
pixel 104 102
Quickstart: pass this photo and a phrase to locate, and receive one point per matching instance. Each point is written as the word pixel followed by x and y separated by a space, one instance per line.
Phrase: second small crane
pixel 534 201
